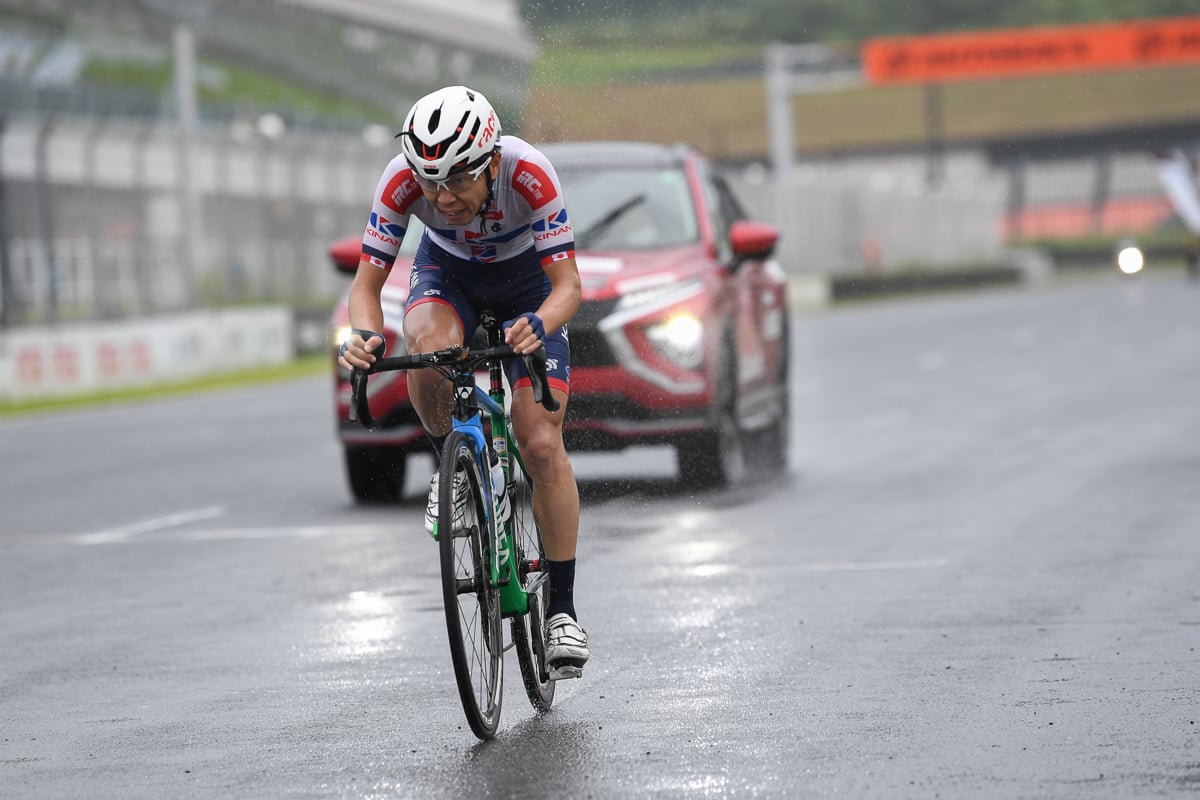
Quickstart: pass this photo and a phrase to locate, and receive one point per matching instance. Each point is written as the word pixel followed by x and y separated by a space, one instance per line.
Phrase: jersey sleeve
pixel 390 212
pixel 535 180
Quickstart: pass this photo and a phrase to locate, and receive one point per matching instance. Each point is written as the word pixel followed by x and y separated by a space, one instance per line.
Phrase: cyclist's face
pixel 460 196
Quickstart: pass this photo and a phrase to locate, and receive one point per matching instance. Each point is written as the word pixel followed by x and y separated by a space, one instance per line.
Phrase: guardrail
pixel 81 358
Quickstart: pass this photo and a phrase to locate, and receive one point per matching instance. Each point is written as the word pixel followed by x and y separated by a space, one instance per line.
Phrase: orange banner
pixel 1030 51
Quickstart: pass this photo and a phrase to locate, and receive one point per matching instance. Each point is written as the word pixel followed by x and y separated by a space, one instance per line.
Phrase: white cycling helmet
pixel 448 131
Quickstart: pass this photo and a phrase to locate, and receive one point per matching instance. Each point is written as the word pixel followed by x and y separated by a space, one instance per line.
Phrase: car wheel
pixel 713 459
pixel 375 474
pixel 771 445
pixel 716 457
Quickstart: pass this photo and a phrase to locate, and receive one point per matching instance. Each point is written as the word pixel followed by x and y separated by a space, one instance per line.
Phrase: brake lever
pixel 360 407
pixel 535 364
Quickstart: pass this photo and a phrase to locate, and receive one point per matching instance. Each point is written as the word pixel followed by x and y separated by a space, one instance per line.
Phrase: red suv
pixel 682 337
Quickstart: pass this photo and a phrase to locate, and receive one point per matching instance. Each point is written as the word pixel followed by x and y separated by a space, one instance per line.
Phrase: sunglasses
pixel 454 184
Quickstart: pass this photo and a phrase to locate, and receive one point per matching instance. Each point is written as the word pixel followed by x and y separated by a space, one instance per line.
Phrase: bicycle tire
pixel 529 629
pixel 471 602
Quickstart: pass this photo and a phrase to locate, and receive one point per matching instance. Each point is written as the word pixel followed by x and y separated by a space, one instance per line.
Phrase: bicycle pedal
pixel 565 672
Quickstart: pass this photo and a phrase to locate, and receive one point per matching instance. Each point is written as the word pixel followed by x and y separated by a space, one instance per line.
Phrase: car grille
pixel 589 346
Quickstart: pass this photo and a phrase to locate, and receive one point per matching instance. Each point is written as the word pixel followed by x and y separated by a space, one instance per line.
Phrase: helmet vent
pixel 443 130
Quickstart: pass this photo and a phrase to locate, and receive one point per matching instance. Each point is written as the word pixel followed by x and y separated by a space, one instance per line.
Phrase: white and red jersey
pixel 527 211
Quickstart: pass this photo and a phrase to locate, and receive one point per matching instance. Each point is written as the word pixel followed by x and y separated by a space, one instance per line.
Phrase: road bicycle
pixel 489 572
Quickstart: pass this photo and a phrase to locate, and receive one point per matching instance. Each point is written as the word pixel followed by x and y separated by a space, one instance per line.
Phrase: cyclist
pixel 496 236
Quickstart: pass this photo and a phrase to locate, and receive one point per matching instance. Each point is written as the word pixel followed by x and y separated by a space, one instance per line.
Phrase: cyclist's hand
pixel 361 349
pixel 525 333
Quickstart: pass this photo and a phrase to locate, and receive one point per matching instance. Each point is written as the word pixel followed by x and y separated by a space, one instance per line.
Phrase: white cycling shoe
pixel 431 507
pixel 566 647
pixel 503 508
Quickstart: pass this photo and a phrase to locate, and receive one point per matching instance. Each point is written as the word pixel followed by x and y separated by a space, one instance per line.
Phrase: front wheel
pixel 529 629
pixel 472 601
pixel 375 473
pixel 714 458
pixel 771 445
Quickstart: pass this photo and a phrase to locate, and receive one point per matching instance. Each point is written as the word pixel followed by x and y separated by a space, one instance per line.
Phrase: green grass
pixel 301 367
pixel 569 66
pixel 237 85
pixel 726 117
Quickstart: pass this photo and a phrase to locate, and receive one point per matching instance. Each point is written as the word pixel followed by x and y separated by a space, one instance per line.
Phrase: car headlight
pixel 340 335
pixel 679 338
pixel 1130 259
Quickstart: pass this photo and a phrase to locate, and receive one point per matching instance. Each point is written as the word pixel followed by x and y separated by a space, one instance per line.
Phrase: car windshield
pixel 615 208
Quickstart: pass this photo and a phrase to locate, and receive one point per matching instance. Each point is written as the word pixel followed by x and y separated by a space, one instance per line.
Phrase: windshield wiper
pixel 606 221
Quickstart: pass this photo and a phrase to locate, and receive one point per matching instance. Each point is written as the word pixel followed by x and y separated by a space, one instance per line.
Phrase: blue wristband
pixel 535 325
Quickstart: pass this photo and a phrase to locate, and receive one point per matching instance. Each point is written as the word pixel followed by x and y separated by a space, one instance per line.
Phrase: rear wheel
pixel 375 474
pixel 529 630
pixel 472 603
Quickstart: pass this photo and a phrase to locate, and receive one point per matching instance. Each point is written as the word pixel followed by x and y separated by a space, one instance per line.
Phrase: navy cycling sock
pixel 562 588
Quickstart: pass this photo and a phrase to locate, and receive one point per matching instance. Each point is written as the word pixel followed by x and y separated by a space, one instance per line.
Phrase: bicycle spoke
pixel 528 635
pixel 472 604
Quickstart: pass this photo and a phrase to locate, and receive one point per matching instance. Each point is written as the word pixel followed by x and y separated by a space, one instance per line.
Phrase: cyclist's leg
pixel 540 438
pixel 556 509
pixel 436 315
pixel 431 325
pixel 556 499
pixel 556 506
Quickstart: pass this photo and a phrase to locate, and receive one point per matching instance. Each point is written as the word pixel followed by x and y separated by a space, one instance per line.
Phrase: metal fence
pixel 865 213
pixel 106 218
pixel 883 213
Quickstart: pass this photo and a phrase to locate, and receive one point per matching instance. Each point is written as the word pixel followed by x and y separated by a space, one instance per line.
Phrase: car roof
pixel 635 154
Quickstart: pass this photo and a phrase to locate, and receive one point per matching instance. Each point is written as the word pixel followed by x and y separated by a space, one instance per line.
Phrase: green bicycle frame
pixel 504 570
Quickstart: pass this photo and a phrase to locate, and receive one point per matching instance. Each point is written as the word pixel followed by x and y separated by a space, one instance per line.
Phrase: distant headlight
pixel 342 333
pixel 679 338
pixel 1130 259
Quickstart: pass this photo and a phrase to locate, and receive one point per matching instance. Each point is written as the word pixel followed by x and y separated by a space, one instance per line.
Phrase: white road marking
pixel 126 532
pixel 861 566
pixel 296 532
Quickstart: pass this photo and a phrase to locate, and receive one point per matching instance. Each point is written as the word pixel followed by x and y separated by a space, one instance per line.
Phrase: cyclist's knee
pixel 431 326
pixel 542 448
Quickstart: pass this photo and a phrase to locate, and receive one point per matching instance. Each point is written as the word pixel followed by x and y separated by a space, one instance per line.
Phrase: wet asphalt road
pixel 979 579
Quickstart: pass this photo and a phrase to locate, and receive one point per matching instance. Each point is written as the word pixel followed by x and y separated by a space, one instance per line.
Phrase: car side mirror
pixel 752 240
pixel 345 254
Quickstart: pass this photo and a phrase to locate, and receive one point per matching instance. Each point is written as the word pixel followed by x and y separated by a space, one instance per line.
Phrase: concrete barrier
pixel 81 358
